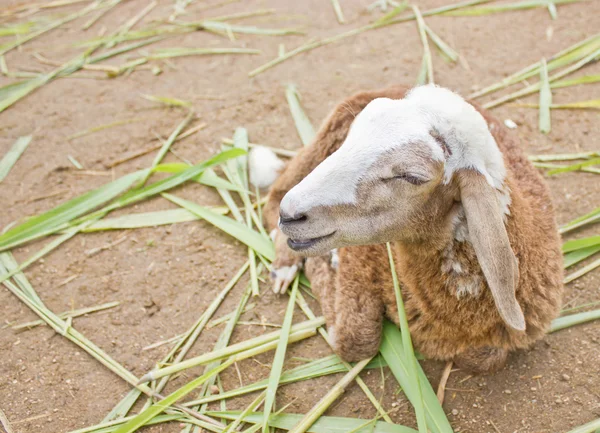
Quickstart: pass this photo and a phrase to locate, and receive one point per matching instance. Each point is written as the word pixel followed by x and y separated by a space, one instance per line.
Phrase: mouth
pixel 304 244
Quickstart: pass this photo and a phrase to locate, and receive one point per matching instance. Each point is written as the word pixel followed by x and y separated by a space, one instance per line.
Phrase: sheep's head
pixel 405 161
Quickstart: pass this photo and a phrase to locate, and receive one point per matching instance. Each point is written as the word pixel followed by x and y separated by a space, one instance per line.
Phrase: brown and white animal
pixel 469 219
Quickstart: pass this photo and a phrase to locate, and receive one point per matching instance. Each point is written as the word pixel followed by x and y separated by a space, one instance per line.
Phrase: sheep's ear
pixel 488 236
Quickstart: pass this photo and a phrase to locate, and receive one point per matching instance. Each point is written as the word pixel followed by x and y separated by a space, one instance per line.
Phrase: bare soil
pixel 165 277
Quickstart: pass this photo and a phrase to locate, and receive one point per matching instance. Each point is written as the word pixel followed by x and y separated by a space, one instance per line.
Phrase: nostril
pixel 285 218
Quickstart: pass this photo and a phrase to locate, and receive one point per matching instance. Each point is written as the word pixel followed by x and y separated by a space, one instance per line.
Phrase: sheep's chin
pixel 314 246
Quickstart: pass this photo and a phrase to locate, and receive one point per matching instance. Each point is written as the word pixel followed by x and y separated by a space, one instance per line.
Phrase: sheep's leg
pixel 329 138
pixel 350 299
pixel 321 275
pixel 482 360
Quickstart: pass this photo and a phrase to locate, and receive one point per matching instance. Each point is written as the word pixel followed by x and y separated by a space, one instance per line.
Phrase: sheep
pixel 469 219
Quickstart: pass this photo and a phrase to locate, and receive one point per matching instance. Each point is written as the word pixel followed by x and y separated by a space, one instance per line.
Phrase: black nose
pixel 285 218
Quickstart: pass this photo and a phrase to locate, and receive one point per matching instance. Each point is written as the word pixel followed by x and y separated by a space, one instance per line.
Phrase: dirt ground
pixel 165 277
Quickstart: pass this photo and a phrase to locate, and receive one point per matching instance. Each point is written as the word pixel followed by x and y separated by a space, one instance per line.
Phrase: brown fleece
pixel 468 329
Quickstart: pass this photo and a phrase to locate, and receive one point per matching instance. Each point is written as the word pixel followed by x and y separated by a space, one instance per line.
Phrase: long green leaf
pixel 409 353
pixel 148 219
pixel 574 319
pixel 392 351
pixel 208 177
pixel 233 228
pixel 325 424
pixel 590 427
pixel 545 99
pixel 305 129
pixel 580 243
pixel 159 407
pixel 579 255
pixel 277 365
pixel 591 217
pixel 574 167
pixel 13 155
pixel 51 221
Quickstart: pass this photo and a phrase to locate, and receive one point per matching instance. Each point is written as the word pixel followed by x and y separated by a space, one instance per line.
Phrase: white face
pixel 394 167
pixel 366 191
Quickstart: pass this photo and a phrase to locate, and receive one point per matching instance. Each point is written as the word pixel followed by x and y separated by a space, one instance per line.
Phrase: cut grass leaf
pixel 392 351
pixel 171 102
pixel 580 255
pixel 105 126
pixel 13 154
pixel 590 427
pixel 264 343
pixel 545 99
pixel 589 218
pixel 325 424
pixel 507 7
pixel 167 53
pixel 208 177
pixel 448 53
pixel 586 79
pixel 564 57
pixel 167 144
pixel 148 219
pixel 277 364
pixel 241 232
pixel 574 319
pixel 581 243
pixel 327 400
pixel 593 104
pixel 338 11
pixel 226 28
pixel 20 41
pixel 581 272
pixel 312 44
pixel 305 129
pixel 67 314
pixel 159 407
pixel 574 167
pixel 409 353
pixel 55 219
pixel 426 51
pixel 564 156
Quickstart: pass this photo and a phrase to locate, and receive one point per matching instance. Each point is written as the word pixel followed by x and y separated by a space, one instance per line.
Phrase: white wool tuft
pixel 264 166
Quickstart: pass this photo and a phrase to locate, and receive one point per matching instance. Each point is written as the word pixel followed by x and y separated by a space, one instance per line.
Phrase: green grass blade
pixel 305 129
pixel 426 51
pixel 591 427
pixel 13 154
pixel 508 7
pixel 277 365
pixel 448 53
pixel 589 218
pixel 167 144
pixel 171 102
pixel 391 350
pixel 579 255
pixel 235 349
pixel 545 99
pixel 322 405
pixel 574 319
pixel 581 243
pixel 241 232
pixel 574 167
pixel 581 272
pixel 586 79
pixel 157 408
pixel 51 221
pixel 409 353
pixel 563 156
pixel 148 219
pixel 325 424
pixel 173 181
pixel 208 177
pixel 167 53
pixel 227 28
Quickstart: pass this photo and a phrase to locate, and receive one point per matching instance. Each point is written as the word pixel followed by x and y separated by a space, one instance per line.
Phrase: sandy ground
pixel 165 277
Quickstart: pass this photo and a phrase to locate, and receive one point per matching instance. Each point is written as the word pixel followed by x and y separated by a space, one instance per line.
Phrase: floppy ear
pixel 488 236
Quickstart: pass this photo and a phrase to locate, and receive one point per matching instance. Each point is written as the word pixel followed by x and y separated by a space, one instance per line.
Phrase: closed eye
pixel 410 178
